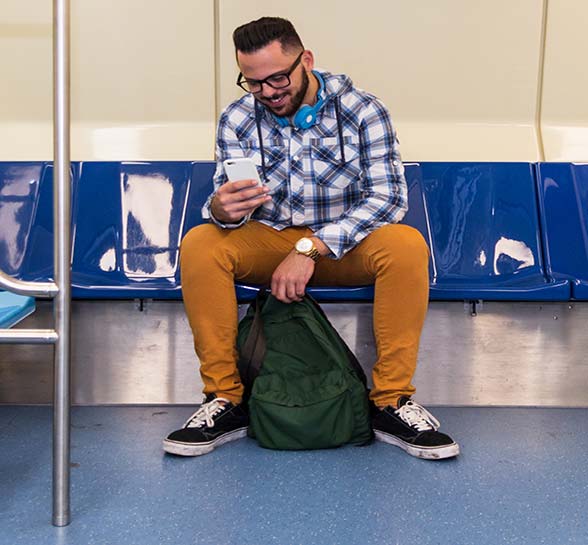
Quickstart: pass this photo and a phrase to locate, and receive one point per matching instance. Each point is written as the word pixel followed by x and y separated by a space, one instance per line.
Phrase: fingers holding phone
pixel 242 194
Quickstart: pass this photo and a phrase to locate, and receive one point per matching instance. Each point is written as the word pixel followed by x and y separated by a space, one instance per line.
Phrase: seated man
pixel 327 213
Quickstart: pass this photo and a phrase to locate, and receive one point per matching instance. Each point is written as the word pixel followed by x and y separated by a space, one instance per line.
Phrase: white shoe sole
pixel 191 449
pixel 427 453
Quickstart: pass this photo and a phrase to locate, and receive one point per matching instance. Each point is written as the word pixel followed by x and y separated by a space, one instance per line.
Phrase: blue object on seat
pixel 485 237
pixel 563 192
pixel 14 308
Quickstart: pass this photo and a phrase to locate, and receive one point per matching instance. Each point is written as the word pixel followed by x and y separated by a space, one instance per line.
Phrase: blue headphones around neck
pixel 305 117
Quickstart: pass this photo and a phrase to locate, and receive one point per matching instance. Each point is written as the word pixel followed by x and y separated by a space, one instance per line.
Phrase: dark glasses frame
pixel 279 80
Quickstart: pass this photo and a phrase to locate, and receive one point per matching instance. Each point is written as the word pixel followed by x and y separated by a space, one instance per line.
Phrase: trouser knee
pixel 198 245
pixel 402 245
pixel 200 239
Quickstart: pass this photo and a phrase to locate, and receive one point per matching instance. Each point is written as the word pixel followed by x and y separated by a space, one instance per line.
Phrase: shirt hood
pixel 335 84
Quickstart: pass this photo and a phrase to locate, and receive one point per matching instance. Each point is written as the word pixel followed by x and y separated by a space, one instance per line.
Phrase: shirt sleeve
pixel 227 147
pixel 385 193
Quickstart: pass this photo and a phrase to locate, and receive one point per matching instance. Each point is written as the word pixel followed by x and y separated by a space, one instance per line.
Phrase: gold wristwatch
pixel 305 246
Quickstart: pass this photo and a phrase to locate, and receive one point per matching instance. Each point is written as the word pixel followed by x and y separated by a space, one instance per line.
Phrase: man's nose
pixel 266 90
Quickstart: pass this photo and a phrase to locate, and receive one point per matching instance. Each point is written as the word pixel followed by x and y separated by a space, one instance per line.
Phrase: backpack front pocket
pixel 311 412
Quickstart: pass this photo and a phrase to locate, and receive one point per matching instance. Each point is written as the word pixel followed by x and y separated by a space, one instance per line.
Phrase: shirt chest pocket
pixel 274 154
pixel 332 166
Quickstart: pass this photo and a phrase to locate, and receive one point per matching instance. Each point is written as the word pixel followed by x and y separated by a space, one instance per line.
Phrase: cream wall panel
pixel 142 80
pixel 25 88
pixel 459 77
pixel 565 90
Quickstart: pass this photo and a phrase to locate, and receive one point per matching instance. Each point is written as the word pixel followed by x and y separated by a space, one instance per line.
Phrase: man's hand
pixel 291 277
pixel 293 273
pixel 234 200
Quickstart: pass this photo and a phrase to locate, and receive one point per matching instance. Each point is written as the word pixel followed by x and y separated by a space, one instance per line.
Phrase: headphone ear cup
pixel 305 117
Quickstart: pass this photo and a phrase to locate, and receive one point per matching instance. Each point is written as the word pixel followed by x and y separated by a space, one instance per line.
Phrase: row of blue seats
pixel 497 231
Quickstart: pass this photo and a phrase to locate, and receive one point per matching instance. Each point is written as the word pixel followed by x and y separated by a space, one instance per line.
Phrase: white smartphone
pixel 241 168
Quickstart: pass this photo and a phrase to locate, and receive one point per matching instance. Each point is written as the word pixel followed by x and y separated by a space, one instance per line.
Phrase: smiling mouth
pixel 276 102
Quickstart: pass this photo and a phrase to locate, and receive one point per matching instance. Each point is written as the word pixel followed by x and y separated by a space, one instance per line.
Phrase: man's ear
pixel 307 60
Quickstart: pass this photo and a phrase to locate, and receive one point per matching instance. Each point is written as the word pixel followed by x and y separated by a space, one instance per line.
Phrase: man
pixel 333 191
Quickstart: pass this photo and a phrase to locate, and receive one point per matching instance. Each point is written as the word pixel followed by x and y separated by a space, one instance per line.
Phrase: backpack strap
pixel 253 351
pixel 353 362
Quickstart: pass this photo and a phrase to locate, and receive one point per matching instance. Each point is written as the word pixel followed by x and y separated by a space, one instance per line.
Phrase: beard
pixel 295 102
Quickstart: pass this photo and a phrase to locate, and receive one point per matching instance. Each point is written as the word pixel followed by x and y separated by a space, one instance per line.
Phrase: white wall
pixel 462 79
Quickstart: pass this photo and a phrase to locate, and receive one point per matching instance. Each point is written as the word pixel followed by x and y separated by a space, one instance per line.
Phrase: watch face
pixel 304 245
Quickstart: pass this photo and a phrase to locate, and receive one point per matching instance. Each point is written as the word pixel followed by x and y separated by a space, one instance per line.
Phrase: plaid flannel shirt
pixel 341 201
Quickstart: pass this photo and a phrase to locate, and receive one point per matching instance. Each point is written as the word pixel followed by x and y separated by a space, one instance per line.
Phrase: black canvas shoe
pixel 215 423
pixel 414 429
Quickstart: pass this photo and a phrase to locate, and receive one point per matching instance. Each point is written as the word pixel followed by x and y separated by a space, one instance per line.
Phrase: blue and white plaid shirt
pixel 342 202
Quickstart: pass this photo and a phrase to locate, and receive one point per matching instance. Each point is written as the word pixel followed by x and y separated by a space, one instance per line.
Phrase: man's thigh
pixel 255 249
pixel 358 267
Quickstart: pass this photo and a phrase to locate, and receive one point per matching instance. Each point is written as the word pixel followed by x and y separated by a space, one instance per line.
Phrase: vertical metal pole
pixel 61 259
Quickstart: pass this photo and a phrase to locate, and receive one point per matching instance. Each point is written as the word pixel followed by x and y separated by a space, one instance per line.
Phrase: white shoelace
pixel 418 417
pixel 205 414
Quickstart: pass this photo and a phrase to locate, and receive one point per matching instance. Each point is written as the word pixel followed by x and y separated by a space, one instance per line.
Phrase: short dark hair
pixel 257 34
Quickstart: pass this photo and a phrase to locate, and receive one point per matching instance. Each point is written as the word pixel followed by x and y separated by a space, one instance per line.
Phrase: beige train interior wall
pixel 464 81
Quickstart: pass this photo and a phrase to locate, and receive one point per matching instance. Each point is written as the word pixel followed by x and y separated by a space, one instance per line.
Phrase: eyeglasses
pixel 276 81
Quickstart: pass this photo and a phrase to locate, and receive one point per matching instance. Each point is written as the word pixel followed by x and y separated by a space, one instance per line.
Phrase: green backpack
pixel 304 386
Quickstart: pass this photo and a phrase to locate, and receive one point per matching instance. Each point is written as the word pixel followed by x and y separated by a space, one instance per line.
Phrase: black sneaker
pixel 215 423
pixel 414 429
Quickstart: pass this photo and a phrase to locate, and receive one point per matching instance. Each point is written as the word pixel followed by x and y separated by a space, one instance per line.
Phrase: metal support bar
pixel 62 260
pixel 60 291
pixel 28 336
pixel 32 289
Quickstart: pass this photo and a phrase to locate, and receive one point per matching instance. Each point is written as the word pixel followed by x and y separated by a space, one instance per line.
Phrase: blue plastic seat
pixel 14 308
pixel 247 292
pixel 26 216
pixel 484 230
pixel 480 220
pixel 129 221
pixel 563 192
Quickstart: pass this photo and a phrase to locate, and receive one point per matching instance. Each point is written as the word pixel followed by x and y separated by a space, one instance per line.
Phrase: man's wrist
pixel 223 224
pixel 320 246
pixel 311 247
pixel 215 217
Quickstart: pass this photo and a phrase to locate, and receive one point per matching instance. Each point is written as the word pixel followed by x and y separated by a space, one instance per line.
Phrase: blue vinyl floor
pixel 522 478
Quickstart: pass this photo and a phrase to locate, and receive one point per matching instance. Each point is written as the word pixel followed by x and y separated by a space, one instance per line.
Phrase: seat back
pixel 563 196
pixel 130 219
pixel 485 236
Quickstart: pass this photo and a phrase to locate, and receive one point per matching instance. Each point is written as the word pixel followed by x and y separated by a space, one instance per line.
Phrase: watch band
pixel 314 254
pixel 305 246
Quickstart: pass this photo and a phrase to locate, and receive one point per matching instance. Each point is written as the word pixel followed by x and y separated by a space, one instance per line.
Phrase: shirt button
pixel 298 216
